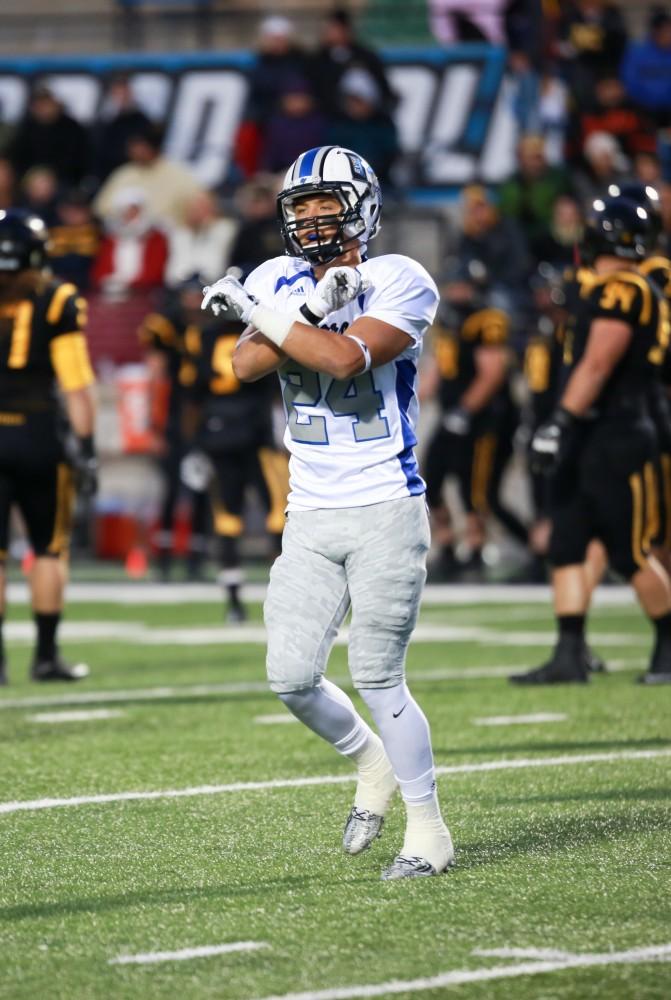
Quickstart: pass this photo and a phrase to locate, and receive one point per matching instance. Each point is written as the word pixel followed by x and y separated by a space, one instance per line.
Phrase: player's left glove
pixel 84 463
pixel 457 421
pixel 228 295
pixel 550 441
pixel 338 287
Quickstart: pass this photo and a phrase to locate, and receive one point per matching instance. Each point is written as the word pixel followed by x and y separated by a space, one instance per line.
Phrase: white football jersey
pixel 352 441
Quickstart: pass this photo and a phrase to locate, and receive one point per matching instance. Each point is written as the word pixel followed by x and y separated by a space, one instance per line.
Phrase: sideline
pixel 128 592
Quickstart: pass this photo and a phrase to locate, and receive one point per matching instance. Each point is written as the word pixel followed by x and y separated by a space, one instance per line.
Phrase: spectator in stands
pixel 7 183
pixel 648 169
pixel 646 68
pixel 540 104
pixel 39 193
pixel 609 110
pixel 592 38
pixel 202 245
pixel 556 247
pixel 48 136
pixel 363 125
pixel 463 21
pixel 489 250
pixel 279 62
pixel 133 252
pixel 168 186
pixel 258 237
pixel 338 52
pixel 529 196
pixel 119 119
pixel 295 125
pixel 604 164
pixel 74 240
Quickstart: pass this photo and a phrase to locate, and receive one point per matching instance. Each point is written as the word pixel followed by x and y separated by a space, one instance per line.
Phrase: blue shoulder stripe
pixel 284 280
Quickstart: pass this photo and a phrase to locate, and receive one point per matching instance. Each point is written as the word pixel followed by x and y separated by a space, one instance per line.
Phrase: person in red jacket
pixel 133 252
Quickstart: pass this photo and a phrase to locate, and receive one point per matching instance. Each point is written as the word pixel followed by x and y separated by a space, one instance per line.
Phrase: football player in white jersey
pixel 344 333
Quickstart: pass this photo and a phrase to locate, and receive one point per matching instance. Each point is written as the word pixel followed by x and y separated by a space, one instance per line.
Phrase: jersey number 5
pixel 357 397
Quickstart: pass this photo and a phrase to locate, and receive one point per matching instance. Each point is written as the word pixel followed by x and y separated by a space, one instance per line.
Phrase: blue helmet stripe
pixel 308 161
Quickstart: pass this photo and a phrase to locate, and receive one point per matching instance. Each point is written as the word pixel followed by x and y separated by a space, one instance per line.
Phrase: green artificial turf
pixel 575 856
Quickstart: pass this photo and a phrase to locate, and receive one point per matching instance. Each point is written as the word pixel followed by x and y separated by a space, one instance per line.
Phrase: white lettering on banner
pixel 13 97
pixel 416 88
pixel 454 117
pixel 153 91
pixel 444 162
pixel 79 92
pixel 204 121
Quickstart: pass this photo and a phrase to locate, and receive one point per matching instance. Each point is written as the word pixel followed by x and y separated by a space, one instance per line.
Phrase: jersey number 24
pixel 356 398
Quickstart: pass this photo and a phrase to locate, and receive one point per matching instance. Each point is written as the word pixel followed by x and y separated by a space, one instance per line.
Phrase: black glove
pixel 457 421
pixel 550 442
pixel 82 456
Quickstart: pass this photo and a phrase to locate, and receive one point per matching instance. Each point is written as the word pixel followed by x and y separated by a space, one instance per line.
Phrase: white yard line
pixel 504 764
pixel 204 951
pixel 128 592
pixel 281 719
pixel 520 720
pixel 261 687
pixel 136 633
pixel 634 956
pixel 91 715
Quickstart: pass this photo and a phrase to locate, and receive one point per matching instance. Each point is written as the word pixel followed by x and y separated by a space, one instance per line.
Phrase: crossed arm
pixel 320 350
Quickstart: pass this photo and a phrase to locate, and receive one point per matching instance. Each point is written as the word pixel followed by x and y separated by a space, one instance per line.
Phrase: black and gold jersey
pixel 455 348
pixel 541 367
pixel 235 414
pixel 658 269
pixel 629 297
pixel 42 348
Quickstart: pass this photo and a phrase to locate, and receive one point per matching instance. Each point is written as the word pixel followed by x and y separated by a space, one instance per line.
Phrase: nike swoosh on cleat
pixel 395 715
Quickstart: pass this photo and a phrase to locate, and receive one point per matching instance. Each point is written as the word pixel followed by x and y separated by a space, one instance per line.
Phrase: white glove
pixel 338 287
pixel 196 471
pixel 228 295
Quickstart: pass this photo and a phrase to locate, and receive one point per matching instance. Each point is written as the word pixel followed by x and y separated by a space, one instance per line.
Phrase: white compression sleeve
pixel 406 737
pixel 329 712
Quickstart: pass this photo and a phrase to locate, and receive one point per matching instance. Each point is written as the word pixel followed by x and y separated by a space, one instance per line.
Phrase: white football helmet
pixel 344 174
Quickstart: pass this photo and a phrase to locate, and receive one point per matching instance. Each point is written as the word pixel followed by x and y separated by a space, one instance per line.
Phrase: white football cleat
pixel 361 829
pixel 408 864
pixel 374 793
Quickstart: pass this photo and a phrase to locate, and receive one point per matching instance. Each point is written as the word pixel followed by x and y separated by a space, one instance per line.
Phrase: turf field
pixel 167 832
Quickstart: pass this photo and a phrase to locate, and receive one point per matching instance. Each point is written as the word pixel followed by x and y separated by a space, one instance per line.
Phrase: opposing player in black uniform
pixel 233 430
pixel 600 442
pixel 168 337
pixel 473 442
pixel 44 453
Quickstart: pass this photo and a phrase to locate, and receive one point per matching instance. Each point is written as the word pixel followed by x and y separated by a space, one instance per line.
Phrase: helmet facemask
pixel 349 224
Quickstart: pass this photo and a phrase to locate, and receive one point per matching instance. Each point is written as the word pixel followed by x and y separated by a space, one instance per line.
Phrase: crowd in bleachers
pixel 593 106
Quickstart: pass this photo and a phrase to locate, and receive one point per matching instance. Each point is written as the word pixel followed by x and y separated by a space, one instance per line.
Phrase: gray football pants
pixel 370 558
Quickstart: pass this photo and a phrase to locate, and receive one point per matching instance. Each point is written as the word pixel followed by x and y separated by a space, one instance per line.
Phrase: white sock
pixel 426 835
pixel 377 784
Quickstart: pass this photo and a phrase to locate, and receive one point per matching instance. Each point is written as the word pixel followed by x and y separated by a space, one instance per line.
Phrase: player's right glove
pixel 228 295
pixel 339 286
pixel 82 457
pixel 550 442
